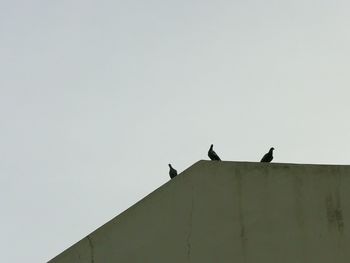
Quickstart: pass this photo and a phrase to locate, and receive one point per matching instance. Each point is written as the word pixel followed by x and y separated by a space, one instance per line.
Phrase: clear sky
pixel 97 97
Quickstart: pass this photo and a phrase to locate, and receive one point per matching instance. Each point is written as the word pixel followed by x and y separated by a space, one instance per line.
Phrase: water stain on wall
pixel 334 212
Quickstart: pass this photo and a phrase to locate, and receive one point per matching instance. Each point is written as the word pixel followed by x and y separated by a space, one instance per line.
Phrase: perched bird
pixel 268 156
pixel 212 154
pixel 172 172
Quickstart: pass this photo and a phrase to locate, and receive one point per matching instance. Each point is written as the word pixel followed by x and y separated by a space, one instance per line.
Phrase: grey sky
pixel 97 97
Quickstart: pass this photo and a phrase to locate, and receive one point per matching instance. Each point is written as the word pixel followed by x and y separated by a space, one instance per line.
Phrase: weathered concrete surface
pixel 218 212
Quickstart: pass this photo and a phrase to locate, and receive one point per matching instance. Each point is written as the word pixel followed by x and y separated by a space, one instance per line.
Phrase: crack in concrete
pixel 91 249
pixel 188 239
pixel 243 232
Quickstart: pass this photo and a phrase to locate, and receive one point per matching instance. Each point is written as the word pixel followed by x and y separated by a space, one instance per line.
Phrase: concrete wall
pixel 218 212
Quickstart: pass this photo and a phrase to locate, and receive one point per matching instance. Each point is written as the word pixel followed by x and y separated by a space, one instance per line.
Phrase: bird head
pixel 271 149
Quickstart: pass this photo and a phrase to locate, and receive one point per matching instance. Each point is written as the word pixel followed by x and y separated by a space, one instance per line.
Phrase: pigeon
pixel 212 154
pixel 172 172
pixel 268 156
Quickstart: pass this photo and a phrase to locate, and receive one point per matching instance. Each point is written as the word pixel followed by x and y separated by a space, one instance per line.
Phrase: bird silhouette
pixel 172 171
pixel 212 154
pixel 268 156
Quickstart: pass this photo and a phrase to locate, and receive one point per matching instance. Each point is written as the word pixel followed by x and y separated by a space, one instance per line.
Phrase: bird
pixel 172 171
pixel 268 156
pixel 212 154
